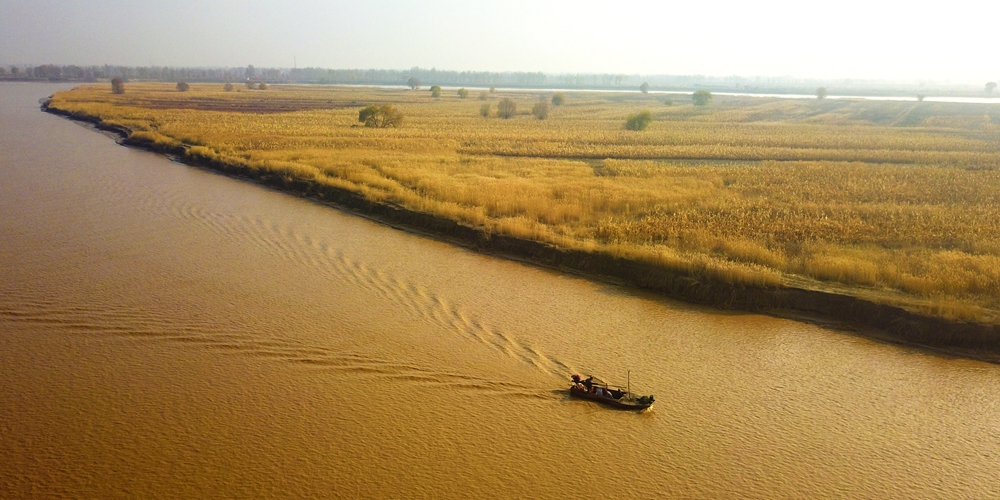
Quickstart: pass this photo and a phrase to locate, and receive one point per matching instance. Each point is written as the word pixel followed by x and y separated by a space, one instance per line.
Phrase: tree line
pixel 432 76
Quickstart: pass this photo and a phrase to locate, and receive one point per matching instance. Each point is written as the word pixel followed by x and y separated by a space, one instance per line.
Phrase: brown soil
pixel 253 105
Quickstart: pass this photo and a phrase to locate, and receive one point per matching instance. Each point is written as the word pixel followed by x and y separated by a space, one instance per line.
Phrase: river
pixel 168 332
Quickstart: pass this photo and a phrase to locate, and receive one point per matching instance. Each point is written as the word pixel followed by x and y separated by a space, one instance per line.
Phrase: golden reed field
pixel 894 201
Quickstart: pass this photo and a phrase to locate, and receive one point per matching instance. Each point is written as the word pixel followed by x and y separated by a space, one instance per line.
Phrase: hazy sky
pixel 956 40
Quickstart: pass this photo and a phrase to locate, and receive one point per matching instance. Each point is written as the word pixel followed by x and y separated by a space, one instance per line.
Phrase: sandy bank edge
pixel 860 316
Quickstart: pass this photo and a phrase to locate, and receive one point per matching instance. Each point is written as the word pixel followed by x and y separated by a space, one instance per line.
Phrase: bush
pixel 182 86
pixel 117 86
pixel 639 121
pixel 436 91
pixel 380 116
pixel 262 86
pixel 821 93
pixel 413 82
pixel 558 99
pixel 506 108
pixel 701 97
pixel 250 84
pixel 463 93
pixel 492 89
pixel 540 110
pixel 668 102
pixel 484 110
pixel 228 87
pixel 644 88
pixel 483 96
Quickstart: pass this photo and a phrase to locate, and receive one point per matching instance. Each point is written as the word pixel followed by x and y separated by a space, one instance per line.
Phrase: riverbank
pixel 881 321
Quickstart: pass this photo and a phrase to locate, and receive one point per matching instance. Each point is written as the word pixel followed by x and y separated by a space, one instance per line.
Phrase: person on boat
pixel 605 393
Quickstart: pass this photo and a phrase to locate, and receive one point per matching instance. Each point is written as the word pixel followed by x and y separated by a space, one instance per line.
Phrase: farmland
pixel 895 201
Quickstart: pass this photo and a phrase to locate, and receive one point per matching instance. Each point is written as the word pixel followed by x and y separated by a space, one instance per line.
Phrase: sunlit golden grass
pixel 898 199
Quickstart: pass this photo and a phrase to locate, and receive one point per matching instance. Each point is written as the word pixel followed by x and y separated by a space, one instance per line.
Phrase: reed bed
pixel 900 200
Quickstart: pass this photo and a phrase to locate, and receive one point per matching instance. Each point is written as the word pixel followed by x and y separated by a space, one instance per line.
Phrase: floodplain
pixel 893 201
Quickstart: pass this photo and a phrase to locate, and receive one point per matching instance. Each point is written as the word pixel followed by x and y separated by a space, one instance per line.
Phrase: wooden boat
pixel 622 404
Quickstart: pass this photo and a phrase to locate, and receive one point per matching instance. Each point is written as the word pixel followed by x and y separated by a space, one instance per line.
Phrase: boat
pixel 624 403
pixel 617 398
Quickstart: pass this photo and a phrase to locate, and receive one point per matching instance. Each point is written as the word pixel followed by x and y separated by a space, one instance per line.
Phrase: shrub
pixel 492 89
pixel 483 96
pixel 228 87
pixel 506 108
pixel 668 102
pixel 558 99
pixel 436 91
pixel 380 116
pixel 463 93
pixel 639 121
pixel 540 110
pixel 182 86
pixel 821 93
pixel 117 86
pixel 484 110
pixel 701 97
pixel 644 88
pixel 262 86
pixel 413 82
pixel 250 84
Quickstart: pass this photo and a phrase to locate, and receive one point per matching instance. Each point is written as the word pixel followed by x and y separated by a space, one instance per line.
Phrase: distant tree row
pixel 412 77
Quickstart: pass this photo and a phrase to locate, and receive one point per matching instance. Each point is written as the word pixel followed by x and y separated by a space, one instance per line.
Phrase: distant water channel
pixel 168 332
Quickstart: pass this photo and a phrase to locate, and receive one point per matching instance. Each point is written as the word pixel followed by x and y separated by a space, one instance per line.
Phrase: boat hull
pixel 614 403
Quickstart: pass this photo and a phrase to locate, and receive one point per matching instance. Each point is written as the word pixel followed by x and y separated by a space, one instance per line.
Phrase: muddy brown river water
pixel 167 332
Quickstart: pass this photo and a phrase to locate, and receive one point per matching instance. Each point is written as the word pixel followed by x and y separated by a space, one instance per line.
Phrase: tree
pixel 506 108
pixel 117 86
pixel 250 84
pixel 436 91
pixel 701 97
pixel 250 73
pixel 492 89
pixel 920 97
pixel 558 99
pixel 262 86
pixel 484 110
pixel 380 116
pixel 3 71
pixel 463 93
pixel 821 93
pixel 228 87
pixel 639 121
pixel 644 88
pixel 540 110
pixel 182 87
pixel 413 82
pixel 990 86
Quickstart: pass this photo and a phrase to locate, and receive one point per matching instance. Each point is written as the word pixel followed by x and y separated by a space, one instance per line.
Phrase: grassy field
pixel 895 201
